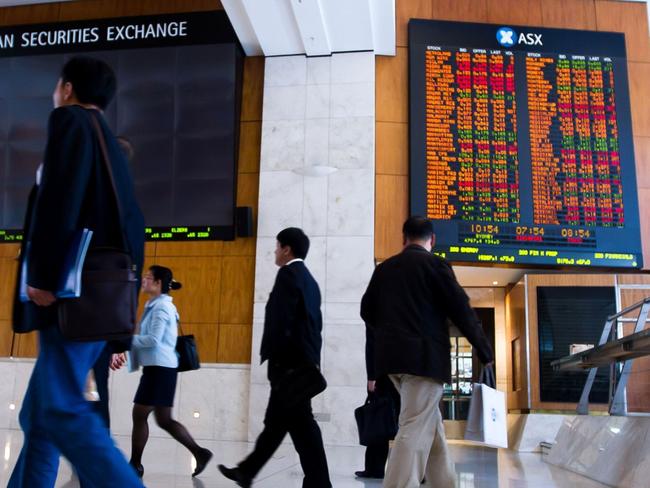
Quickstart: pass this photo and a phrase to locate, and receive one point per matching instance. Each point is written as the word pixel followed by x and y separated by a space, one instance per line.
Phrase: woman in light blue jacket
pixel 154 348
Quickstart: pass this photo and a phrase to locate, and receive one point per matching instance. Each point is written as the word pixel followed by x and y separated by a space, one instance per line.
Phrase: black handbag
pixel 107 307
pixel 377 420
pixel 299 385
pixel 188 354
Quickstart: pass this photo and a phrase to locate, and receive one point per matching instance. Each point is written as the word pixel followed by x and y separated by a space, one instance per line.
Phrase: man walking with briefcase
pixel 406 306
pixel 291 343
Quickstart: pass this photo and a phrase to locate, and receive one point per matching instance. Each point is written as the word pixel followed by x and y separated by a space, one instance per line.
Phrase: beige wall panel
pixel 406 10
pixel 32 14
pixel 198 300
pixel 189 248
pixel 242 246
pixel 236 292
pixel 516 12
pixel 206 336
pixel 640 98
pixel 26 345
pixel 250 141
pixel 97 9
pixel 517 373
pixel 6 336
pixel 253 89
pixel 235 343
pixel 569 14
pixel 644 218
pixel 9 250
pixel 114 8
pixel 630 18
pixel 150 249
pixel 391 212
pixel 463 10
pixel 632 297
pixel 8 269
pixel 392 87
pixel 633 279
pixel 642 158
pixel 392 148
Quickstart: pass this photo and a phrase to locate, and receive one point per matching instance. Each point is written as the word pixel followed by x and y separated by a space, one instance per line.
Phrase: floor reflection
pixel 168 465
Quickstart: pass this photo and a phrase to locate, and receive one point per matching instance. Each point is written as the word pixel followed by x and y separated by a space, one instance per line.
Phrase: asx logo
pixel 508 38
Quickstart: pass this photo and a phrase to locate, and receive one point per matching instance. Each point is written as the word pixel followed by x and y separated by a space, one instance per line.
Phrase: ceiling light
pixel 495 282
pixel 196 415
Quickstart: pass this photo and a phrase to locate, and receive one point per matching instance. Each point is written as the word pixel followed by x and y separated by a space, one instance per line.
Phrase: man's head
pixel 85 81
pixel 419 230
pixel 291 243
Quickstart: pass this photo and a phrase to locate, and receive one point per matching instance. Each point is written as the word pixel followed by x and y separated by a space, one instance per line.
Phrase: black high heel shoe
pixel 139 469
pixel 202 460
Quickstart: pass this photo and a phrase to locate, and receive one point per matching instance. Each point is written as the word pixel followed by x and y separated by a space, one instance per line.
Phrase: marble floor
pixel 167 465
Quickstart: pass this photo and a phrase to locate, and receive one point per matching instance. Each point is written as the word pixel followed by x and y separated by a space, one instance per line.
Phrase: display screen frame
pixel 624 250
pixel 196 29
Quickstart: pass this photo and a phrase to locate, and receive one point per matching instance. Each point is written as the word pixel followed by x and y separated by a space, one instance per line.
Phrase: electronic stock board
pixel 521 144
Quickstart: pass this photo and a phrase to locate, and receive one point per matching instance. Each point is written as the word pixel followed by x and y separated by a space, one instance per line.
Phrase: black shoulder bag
pixel 107 307
pixel 188 354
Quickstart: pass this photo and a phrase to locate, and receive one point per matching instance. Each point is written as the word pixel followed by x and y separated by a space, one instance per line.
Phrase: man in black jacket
pixel 291 340
pixel 72 191
pixel 408 300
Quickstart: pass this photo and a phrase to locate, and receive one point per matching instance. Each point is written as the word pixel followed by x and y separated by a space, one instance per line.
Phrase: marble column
pixel 320 112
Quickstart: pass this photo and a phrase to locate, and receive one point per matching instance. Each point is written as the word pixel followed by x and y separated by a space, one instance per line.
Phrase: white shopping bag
pixel 486 422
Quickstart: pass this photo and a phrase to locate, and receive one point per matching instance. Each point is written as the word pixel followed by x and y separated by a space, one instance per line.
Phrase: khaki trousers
pixel 420 448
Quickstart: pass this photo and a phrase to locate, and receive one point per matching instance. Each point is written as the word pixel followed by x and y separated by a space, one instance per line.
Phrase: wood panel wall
pixel 216 301
pixel 392 180
pixel 516 341
pixel 521 301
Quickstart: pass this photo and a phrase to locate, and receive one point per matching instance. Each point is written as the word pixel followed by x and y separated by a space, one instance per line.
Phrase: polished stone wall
pixel 320 112
pixel 211 402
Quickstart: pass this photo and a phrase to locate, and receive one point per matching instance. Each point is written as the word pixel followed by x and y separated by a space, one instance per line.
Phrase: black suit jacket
pixel 406 306
pixel 75 192
pixel 293 321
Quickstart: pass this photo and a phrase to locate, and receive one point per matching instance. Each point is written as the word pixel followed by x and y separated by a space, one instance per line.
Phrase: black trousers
pixel 377 454
pixel 299 423
pixel 376 457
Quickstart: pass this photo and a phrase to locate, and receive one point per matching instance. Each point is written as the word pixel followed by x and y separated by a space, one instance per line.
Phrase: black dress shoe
pixel 236 475
pixel 202 460
pixel 367 474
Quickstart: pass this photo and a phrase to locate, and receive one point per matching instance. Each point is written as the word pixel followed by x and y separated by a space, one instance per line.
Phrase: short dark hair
pixel 417 228
pixel 296 239
pixel 93 81
pixel 166 278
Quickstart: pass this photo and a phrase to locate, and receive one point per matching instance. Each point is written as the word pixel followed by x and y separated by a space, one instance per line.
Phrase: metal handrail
pixel 627 310
pixel 618 404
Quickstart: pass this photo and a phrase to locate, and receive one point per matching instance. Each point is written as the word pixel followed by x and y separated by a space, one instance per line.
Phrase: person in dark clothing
pixel 377 454
pixel 72 191
pixel 291 340
pixel 405 307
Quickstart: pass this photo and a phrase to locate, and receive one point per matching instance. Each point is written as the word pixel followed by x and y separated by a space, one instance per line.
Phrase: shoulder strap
pixel 109 170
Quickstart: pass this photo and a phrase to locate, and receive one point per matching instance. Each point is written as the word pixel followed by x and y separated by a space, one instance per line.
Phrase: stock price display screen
pixel 521 144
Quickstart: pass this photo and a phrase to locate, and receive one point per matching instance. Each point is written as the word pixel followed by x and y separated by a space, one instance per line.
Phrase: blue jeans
pixel 56 419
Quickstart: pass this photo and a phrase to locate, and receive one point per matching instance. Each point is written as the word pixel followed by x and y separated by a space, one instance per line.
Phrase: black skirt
pixel 157 387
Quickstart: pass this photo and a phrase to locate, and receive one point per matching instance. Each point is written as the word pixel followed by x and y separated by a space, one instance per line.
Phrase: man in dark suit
pixel 408 300
pixel 73 191
pixel 291 340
